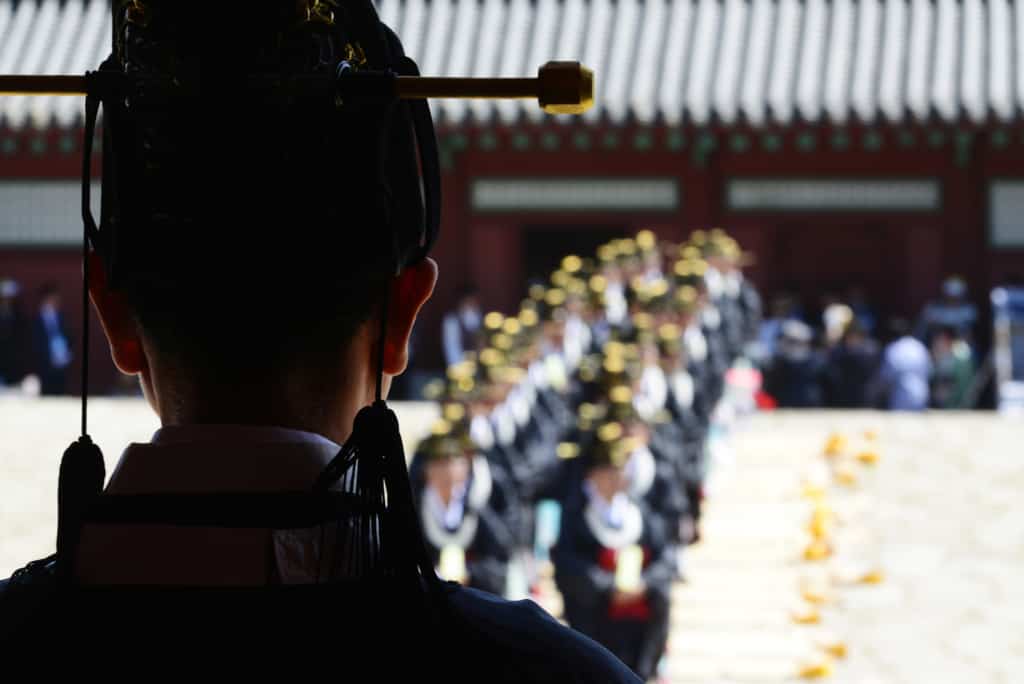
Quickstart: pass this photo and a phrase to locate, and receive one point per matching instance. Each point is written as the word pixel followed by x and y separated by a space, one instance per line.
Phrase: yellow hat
pixel 560 278
pixel 555 297
pixel 491 357
pixel 527 319
pixel 567 450
pixel 646 240
pixel 572 264
pixel 643 320
pixel 493 321
pixel 607 253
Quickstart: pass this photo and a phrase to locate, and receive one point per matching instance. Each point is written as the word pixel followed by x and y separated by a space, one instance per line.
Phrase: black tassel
pixel 82 473
pixel 371 466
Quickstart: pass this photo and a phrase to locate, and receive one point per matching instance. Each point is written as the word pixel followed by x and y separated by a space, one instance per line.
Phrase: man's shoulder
pixel 25 593
pixel 521 632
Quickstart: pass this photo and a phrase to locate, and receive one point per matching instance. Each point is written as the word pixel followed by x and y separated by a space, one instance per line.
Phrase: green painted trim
pixel 446 158
pixel 458 141
pixel 703 147
pixel 611 140
pixel 487 141
pixel 906 138
pixel 771 142
pixel 1000 138
pixel 675 140
pixel 521 141
pixel 9 147
pixel 581 140
pixel 37 146
pixel 643 141
pixel 872 140
pixel 806 141
pixel 550 140
pixel 739 142
pixel 66 144
pixel 964 144
pixel 840 140
pixel 936 138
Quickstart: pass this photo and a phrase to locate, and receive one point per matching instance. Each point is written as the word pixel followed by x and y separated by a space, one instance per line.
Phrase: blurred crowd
pixel 576 433
pixel 847 359
pixel 35 345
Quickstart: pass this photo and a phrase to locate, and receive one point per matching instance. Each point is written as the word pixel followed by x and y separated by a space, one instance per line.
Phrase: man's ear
pixel 409 292
pixel 117 320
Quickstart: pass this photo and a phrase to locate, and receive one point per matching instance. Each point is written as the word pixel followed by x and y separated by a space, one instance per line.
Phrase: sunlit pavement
pixel 939 518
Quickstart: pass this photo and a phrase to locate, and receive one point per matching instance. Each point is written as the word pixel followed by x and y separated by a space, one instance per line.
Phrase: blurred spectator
pixel 953 310
pixel 782 309
pixel 12 334
pixel 857 300
pixel 461 327
pixel 51 349
pixel 836 319
pixel 795 377
pixel 852 365
pixel 953 369
pixel 905 370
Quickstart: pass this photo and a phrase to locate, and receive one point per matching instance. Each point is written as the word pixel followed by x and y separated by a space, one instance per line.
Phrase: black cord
pixel 85 331
pixel 381 343
pixel 88 230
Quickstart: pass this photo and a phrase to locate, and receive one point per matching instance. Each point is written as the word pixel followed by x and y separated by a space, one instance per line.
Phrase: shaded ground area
pixel 939 514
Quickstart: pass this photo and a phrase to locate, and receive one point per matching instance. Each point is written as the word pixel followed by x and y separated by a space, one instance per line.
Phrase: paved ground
pixel 937 515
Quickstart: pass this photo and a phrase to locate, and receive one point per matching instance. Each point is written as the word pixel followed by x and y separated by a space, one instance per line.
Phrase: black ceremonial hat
pixel 230 152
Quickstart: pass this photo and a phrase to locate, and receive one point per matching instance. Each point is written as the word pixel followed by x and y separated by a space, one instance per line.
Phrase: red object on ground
pixel 765 401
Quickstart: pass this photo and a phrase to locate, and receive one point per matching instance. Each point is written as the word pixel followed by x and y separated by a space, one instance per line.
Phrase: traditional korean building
pixel 876 143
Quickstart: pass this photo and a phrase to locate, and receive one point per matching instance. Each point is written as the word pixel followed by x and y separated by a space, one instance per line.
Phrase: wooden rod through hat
pixel 560 87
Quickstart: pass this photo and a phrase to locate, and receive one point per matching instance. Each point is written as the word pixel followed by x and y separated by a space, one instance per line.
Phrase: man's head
pixel 607 460
pixel 469 299
pixel 49 296
pixel 256 237
pixel 448 454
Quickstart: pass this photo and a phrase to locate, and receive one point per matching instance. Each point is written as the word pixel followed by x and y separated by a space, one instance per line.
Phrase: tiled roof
pixel 758 61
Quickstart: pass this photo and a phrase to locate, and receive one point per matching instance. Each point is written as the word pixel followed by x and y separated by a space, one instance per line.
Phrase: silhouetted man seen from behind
pixel 260 263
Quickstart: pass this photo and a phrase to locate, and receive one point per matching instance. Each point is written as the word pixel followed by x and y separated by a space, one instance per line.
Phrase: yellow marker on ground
pixel 817 550
pixel 868 457
pixel 820 526
pixel 831 644
pixel 874 576
pixel 814 491
pixel 817 668
pixel 816 594
pixel 836 444
pixel 846 475
pixel 805 615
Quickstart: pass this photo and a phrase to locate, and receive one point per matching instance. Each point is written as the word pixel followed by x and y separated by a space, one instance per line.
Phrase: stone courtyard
pixel 920 583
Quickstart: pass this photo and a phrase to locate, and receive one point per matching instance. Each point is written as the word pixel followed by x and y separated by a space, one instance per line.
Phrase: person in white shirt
pixel 905 370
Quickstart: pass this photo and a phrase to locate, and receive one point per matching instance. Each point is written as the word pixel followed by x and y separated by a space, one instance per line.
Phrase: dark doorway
pixel 545 246
pixel 819 261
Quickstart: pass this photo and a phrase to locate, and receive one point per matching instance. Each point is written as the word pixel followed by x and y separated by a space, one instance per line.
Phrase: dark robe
pixel 372 630
pixel 482 534
pixel 584 559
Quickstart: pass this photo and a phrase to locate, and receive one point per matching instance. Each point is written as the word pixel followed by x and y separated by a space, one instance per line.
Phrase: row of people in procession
pixel 592 405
